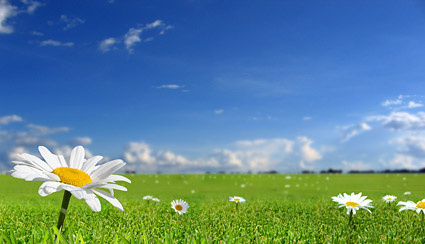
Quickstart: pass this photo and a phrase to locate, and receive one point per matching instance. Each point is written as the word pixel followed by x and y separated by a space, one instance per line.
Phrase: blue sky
pixel 190 86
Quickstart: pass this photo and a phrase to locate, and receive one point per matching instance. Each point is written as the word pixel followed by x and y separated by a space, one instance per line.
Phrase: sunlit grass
pixel 274 213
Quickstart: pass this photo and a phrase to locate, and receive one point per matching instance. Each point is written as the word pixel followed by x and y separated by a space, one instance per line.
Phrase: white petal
pixel 114 186
pixel 93 202
pixel 63 161
pixel 28 173
pixel 49 187
pixel 106 169
pixel 110 198
pixel 36 162
pixel 77 157
pixel 52 176
pixel 88 165
pixel 113 178
pixel 348 210
pixel 50 158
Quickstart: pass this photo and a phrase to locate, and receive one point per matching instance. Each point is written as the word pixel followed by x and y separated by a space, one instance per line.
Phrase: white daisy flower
pixel 180 206
pixel 389 198
pixel 81 177
pixel 353 202
pixel 155 199
pixel 236 199
pixel 147 197
pixel 409 205
pixel 407 193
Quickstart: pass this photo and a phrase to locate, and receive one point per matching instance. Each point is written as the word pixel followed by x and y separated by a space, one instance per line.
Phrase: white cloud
pixel 133 35
pixel 45 130
pixel 402 161
pixel 356 165
pixel 37 33
pixel 254 155
pixel 389 102
pixel 70 21
pixel 413 104
pixel 31 5
pixel 413 146
pixel 306 118
pixel 142 158
pixel 218 111
pixel 106 45
pixel 26 138
pixel 6 11
pixel 154 24
pixel 10 119
pixel 80 141
pixel 397 121
pixel 131 38
pixel 170 86
pixel 308 153
pixel 55 43
pixel 354 130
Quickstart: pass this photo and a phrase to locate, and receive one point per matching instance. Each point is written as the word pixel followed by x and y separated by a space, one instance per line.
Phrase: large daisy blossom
pixel 236 199
pixel 409 205
pixel 353 202
pixel 180 206
pixel 389 198
pixel 81 177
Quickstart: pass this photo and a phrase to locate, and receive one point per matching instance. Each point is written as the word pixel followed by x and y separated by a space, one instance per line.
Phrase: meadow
pixel 279 209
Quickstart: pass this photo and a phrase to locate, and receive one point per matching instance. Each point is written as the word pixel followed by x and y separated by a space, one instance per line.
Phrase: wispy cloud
pixel 10 119
pixel 55 43
pixel 170 86
pixel 389 102
pixel 107 44
pixel 354 130
pixel 306 118
pixel 133 36
pixel 413 104
pixel 397 121
pixel 218 111
pixel 31 5
pixel 70 21
pixel 37 33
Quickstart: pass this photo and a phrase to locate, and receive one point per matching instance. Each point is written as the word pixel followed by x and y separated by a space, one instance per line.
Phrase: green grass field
pixel 279 209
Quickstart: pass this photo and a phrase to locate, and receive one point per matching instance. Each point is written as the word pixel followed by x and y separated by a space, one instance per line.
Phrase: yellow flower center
pixel 178 207
pixel 352 204
pixel 421 205
pixel 72 176
pixel 389 199
pixel 236 199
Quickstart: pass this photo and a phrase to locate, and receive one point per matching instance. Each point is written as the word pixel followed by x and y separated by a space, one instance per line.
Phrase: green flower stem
pixel 350 219
pixel 237 206
pixel 65 203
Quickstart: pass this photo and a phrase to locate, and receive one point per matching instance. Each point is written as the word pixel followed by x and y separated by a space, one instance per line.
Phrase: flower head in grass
pixel 79 176
pixel 389 198
pixel 180 206
pixel 353 202
pixel 147 198
pixel 236 199
pixel 407 193
pixel 409 205
pixel 156 199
